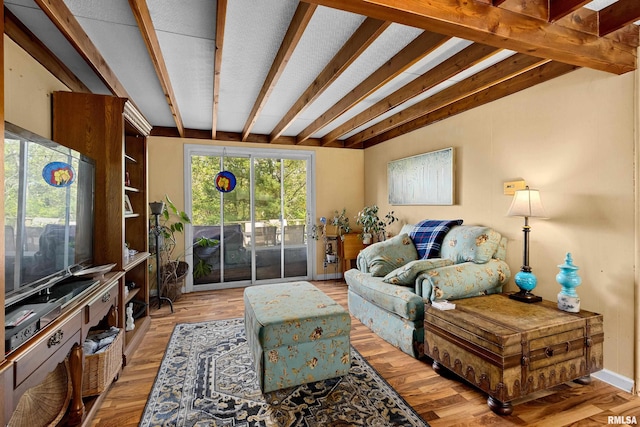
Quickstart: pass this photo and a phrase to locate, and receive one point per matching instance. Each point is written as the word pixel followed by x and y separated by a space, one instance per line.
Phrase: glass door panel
pixel 264 233
pixel 267 222
pixel 294 236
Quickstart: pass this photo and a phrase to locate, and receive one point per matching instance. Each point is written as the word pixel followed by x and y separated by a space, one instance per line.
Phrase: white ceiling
pixel 254 30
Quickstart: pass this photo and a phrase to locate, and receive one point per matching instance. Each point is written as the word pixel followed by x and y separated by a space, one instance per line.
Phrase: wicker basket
pixel 101 369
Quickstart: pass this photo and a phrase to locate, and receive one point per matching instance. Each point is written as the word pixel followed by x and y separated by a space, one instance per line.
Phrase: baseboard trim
pixel 330 276
pixel 616 380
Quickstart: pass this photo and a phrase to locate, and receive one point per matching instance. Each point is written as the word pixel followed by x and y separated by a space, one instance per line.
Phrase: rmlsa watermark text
pixel 622 419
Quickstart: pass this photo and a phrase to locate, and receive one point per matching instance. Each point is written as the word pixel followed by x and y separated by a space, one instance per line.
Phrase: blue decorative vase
pixel 526 281
pixel 568 278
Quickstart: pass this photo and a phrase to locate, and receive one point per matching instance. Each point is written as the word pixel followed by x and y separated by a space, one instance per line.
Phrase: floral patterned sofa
pixel 396 277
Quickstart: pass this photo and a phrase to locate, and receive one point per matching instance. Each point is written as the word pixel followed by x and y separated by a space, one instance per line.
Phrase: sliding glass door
pixel 260 224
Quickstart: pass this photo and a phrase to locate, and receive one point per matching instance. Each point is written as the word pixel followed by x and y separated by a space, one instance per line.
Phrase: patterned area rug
pixel 207 379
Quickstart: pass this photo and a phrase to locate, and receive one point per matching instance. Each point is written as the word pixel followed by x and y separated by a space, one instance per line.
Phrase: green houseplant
pixel 340 221
pixel 173 267
pixel 372 224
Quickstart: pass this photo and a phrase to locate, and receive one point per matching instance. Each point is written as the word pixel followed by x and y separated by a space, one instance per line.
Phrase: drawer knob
pixel 549 352
pixel 106 297
pixel 55 339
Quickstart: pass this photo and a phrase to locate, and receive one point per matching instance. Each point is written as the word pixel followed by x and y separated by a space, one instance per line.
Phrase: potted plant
pixel 340 220
pixel 173 267
pixel 372 225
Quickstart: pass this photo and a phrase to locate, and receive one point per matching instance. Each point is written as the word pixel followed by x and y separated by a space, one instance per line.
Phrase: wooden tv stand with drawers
pixel 29 364
pixel 510 349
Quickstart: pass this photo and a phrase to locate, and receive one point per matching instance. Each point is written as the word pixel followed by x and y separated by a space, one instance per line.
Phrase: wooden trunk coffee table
pixel 510 349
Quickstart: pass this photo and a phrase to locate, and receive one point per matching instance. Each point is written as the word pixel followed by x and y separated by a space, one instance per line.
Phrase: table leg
pixel 76 410
pixel 586 380
pixel 439 369
pixel 500 408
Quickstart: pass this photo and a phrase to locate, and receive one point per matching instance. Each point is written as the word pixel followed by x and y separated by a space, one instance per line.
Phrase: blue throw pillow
pixel 428 235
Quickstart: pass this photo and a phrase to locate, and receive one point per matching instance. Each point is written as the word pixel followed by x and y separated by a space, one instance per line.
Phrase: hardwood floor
pixel 440 401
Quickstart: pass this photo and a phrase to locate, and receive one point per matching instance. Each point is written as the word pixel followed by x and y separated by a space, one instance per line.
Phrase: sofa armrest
pixel 463 280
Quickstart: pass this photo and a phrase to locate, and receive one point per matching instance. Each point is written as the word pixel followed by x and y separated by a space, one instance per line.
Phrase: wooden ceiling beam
pixel 558 9
pixel 523 81
pixel 618 15
pixel 538 9
pixel 221 19
pixel 583 20
pixel 506 69
pixel 413 52
pixel 63 19
pixel 499 27
pixel 141 13
pixel 170 132
pixel 366 34
pixel 24 38
pixel 447 69
pixel 294 33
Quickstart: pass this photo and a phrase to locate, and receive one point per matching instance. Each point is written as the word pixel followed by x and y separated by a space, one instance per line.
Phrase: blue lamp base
pixel 526 281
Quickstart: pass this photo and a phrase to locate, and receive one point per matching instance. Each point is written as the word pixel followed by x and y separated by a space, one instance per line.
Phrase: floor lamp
pixel 156 210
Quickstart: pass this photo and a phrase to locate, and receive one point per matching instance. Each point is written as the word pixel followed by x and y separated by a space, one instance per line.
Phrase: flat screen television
pixel 48 213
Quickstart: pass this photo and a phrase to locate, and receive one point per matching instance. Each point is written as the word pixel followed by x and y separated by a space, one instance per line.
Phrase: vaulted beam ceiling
pixel 221 16
pixel 418 49
pixel 61 16
pixel 366 34
pixel 497 26
pixel 447 69
pixel 299 23
pixel 398 65
pixel 143 18
pixel 504 70
pixel 20 34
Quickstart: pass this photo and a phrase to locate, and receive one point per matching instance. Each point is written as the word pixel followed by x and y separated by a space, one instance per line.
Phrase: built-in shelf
pixel 136 260
pixel 132 294
pixel 111 131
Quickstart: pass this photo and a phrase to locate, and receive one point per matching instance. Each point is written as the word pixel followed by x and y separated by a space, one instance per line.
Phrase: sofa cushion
pixel 400 300
pixel 406 275
pixel 383 257
pixel 427 236
pixel 470 243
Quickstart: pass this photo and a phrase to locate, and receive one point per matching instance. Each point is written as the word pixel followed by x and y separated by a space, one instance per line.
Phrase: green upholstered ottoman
pixel 296 334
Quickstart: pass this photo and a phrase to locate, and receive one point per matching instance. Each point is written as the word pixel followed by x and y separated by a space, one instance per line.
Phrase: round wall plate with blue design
pixel 58 174
pixel 225 181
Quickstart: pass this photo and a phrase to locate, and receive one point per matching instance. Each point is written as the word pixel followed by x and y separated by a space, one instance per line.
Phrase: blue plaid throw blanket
pixel 428 235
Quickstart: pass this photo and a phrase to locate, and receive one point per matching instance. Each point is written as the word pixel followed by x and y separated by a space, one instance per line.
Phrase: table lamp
pixel 526 203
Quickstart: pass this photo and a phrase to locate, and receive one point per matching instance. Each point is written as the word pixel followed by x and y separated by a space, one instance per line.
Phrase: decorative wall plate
pixel 225 181
pixel 58 174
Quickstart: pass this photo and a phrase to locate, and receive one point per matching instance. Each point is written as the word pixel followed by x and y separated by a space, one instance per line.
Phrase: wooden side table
pixel 348 249
pixel 510 349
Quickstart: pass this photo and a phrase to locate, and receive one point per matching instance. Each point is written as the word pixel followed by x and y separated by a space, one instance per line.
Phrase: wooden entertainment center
pixel 111 131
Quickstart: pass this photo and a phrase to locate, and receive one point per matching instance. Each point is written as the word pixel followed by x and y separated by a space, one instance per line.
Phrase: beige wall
pixel 573 139
pixel 28 87
pixel 339 176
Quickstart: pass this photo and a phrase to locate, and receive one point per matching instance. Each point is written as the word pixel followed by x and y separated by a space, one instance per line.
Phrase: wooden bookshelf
pixel 113 133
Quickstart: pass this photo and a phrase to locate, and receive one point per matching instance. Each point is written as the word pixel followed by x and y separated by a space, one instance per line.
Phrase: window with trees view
pixel 261 224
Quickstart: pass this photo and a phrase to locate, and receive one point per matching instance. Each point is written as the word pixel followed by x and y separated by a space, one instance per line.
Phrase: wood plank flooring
pixel 440 401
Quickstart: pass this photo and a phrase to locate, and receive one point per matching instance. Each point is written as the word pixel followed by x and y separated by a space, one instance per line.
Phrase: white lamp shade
pixel 527 203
